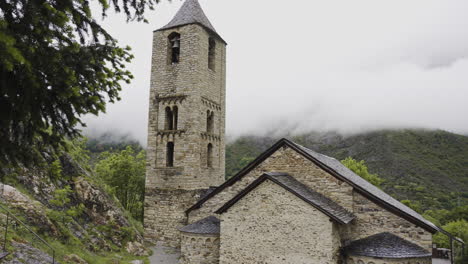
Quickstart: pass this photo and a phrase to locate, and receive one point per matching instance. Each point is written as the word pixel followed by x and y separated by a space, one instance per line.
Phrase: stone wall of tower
pixel 194 89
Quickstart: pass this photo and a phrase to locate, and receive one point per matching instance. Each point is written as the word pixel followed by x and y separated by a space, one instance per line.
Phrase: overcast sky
pixel 346 66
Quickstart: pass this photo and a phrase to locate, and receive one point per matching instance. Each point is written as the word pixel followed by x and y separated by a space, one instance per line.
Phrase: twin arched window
pixel 172 116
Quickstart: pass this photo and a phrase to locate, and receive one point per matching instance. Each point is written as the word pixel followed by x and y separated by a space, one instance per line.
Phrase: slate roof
pixel 385 245
pixel 191 13
pixel 208 225
pixel 317 200
pixel 359 182
pixel 338 170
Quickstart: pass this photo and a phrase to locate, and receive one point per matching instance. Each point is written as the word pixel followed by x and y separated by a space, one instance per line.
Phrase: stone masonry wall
pixel 198 249
pixel 289 161
pixel 165 213
pixel 369 260
pixel 194 89
pixel 372 219
pixel 271 225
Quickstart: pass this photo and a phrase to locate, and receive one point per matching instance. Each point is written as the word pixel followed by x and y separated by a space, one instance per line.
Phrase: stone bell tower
pixel 186 148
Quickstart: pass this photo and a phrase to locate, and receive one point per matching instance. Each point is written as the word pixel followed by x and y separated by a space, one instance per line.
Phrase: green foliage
pixel 238 155
pixel 65 213
pixel 55 170
pixel 360 169
pixel 61 196
pixel 78 151
pixel 415 205
pixel 124 172
pixel 458 229
pixel 56 64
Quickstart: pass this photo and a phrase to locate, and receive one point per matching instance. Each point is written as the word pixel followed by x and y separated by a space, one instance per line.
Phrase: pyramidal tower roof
pixel 191 12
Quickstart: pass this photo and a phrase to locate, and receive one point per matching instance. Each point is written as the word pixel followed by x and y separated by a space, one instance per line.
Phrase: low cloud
pixel 344 66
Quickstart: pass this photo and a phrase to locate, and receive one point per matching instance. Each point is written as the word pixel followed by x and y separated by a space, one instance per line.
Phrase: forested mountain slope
pixel 428 167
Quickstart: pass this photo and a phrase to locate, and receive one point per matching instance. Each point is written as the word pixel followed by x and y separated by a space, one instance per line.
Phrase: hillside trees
pixel 56 64
pixel 124 172
pixel 360 168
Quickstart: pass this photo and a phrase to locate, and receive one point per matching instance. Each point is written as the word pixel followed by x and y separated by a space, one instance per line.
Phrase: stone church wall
pixel 372 219
pixel 198 249
pixel 289 161
pixel 165 213
pixel 369 260
pixel 271 225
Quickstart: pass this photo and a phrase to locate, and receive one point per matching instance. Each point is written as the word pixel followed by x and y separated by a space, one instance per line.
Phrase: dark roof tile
pixel 191 13
pixel 208 225
pixel 385 245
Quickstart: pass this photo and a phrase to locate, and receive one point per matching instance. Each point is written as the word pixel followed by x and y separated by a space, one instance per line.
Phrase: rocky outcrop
pixel 90 216
pixel 25 253
pixel 73 258
pixel 34 211
pixel 136 248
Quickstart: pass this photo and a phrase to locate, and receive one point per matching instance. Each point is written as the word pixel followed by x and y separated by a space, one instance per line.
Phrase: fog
pixel 343 66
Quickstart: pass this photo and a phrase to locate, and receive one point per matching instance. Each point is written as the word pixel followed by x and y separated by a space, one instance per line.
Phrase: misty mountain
pixel 428 167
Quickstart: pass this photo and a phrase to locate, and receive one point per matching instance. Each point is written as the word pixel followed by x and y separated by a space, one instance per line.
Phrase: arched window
pixel 209 121
pixel 169 119
pixel 174 48
pixel 170 154
pixel 175 115
pixel 209 156
pixel 211 53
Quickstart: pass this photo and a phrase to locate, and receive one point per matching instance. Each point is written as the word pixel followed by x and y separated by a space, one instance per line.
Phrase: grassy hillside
pixel 430 167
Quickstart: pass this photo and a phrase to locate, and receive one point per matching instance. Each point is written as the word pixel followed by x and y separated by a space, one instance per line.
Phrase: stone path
pixel 440 261
pixel 164 255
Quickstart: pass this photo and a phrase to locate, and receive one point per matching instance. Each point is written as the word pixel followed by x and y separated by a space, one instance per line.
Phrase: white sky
pixel 346 66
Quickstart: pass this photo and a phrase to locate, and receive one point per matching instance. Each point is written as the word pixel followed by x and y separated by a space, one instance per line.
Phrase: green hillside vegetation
pixel 76 210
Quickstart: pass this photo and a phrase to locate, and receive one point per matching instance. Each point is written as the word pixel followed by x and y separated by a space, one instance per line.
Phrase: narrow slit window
pixel 209 121
pixel 170 154
pixel 174 48
pixel 209 156
pixel 169 119
pixel 211 53
pixel 175 116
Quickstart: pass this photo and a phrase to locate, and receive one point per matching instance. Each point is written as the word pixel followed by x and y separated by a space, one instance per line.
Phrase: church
pixel 290 205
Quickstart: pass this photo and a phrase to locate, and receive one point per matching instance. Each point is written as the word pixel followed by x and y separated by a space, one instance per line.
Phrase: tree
pixel 360 169
pixel 458 229
pixel 124 172
pixel 56 64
